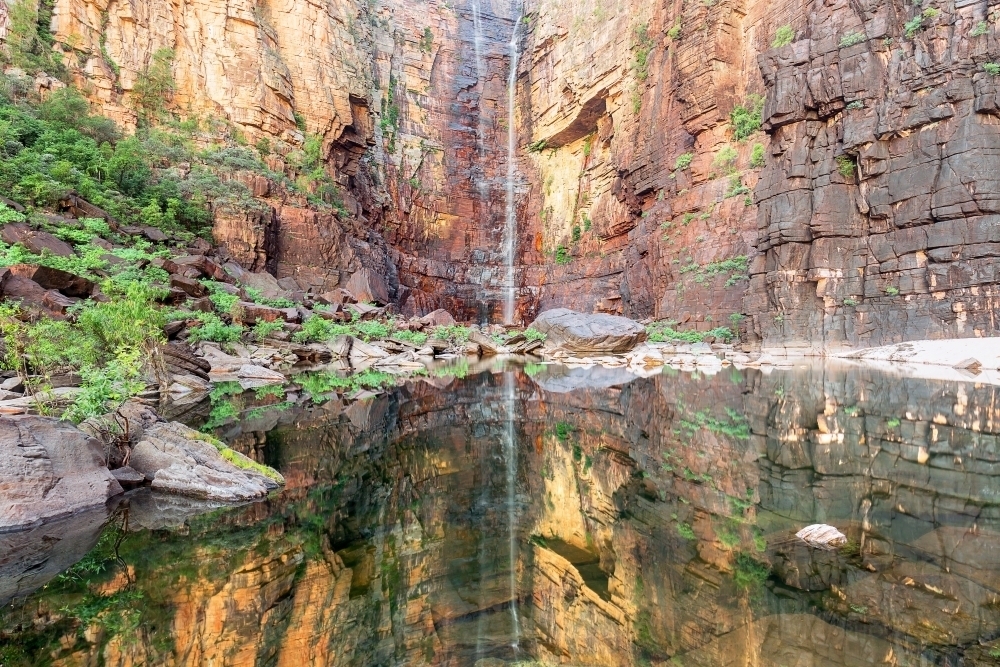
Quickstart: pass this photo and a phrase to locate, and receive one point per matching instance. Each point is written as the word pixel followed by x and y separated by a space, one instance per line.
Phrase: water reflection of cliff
pixel 652 519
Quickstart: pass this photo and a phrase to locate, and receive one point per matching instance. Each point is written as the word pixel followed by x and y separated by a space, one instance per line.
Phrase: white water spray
pixel 510 226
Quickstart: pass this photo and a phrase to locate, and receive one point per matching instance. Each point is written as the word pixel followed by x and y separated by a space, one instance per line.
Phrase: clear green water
pixel 568 517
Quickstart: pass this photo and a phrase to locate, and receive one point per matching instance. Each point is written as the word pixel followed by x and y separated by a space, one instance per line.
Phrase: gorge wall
pixel 867 214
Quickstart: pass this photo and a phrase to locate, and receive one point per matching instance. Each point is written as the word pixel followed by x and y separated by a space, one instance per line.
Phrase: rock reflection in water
pixel 565 518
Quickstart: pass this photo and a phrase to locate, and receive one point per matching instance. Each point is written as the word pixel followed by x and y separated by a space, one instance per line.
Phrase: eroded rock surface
pixel 49 468
pixel 582 333
pixel 178 459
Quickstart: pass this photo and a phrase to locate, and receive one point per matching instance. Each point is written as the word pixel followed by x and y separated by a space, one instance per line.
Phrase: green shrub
pixel 892 290
pixel 562 255
pixel 745 119
pixel 154 86
pixel 982 28
pixel 856 104
pixel 683 161
pixel 427 40
pixel 212 328
pixel 992 68
pixel 675 31
pixel 846 166
pixel 911 27
pixel 783 36
pixel 577 233
pixel 725 159
pixel 852 38
pixel 262 329
pixel 642 47
pixel 454 333
pixel 534 334
pixel 757 156
pixel 415 337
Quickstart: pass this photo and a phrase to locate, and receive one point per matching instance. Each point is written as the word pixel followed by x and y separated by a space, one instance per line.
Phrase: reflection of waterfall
pixel 510 227
pixel 510 454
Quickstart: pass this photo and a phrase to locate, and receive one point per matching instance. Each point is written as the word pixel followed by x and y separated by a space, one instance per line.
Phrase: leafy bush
pixel 683 161
pixel 454 333
pixel 262 329
pixel 982 28
pixel 534 334
pixel 852 38
pixel 212 328
pixel 415 337
pixel 562 255
pixel 757 156
pixel 846 166
pixel 725 159
pixel 154 86
pixel 745 119
pixel 783 36
pixel 992 68
pixel 675 31
pixel 913 25
pixel 642 48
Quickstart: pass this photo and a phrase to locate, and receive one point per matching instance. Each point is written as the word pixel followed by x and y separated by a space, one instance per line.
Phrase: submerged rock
pixel 49 468
pixel 588 333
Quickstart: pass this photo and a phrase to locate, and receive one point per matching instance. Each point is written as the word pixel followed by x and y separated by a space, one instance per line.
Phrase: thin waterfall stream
pixel 510 226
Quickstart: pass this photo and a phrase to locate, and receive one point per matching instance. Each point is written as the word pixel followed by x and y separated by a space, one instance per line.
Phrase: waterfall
pixel 510 226
pixel 510 454
pixel 477 41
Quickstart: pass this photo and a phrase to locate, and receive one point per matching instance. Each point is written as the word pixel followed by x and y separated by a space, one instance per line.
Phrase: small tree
pixel 154 86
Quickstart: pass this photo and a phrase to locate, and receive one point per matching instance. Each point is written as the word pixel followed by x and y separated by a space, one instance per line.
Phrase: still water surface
pixel 562 517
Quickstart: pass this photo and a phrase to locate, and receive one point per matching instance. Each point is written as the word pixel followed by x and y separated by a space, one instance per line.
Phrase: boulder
pixel 264 283
pixel 180 460
pixel 190 286
pixel 31 295
pixel 438 318
pixel 68 283
pixel 49 468
pixel 487 345
pixel 581 333
pixel 368 286
pixel 34 240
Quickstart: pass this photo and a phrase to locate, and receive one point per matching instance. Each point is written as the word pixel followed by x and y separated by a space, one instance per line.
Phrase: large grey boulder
pixel 582 333
pixel 178 459
pixel 49 468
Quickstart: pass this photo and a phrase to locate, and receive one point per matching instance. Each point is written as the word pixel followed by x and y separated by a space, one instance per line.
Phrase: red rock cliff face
pixel 872 201
pixel 860 212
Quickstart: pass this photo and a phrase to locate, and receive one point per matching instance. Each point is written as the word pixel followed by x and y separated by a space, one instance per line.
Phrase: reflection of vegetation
pixel 459 370
pixel 749 573
pixel 735 426
pixel 531 370
pixel 563 430
pixel 318 386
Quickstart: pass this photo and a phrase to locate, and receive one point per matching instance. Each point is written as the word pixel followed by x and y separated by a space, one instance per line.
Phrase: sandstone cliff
pixel 859 213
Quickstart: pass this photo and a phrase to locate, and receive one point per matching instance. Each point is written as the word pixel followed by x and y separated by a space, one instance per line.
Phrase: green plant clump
pixel 846 166
pixel 683 161
pixel 757 156
pixel 852 38
pixel 982 28
pixel 992 69
pixel 783 36
pixel 746 119
pixel 562 255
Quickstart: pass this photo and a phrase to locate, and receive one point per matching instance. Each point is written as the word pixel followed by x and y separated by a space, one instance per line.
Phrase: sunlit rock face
pixel 650 520
pixel 859 214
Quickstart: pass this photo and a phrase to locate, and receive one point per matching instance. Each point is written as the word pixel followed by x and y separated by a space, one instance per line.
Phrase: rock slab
pixel 588 333
pixel 180 460
pixel 49 468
